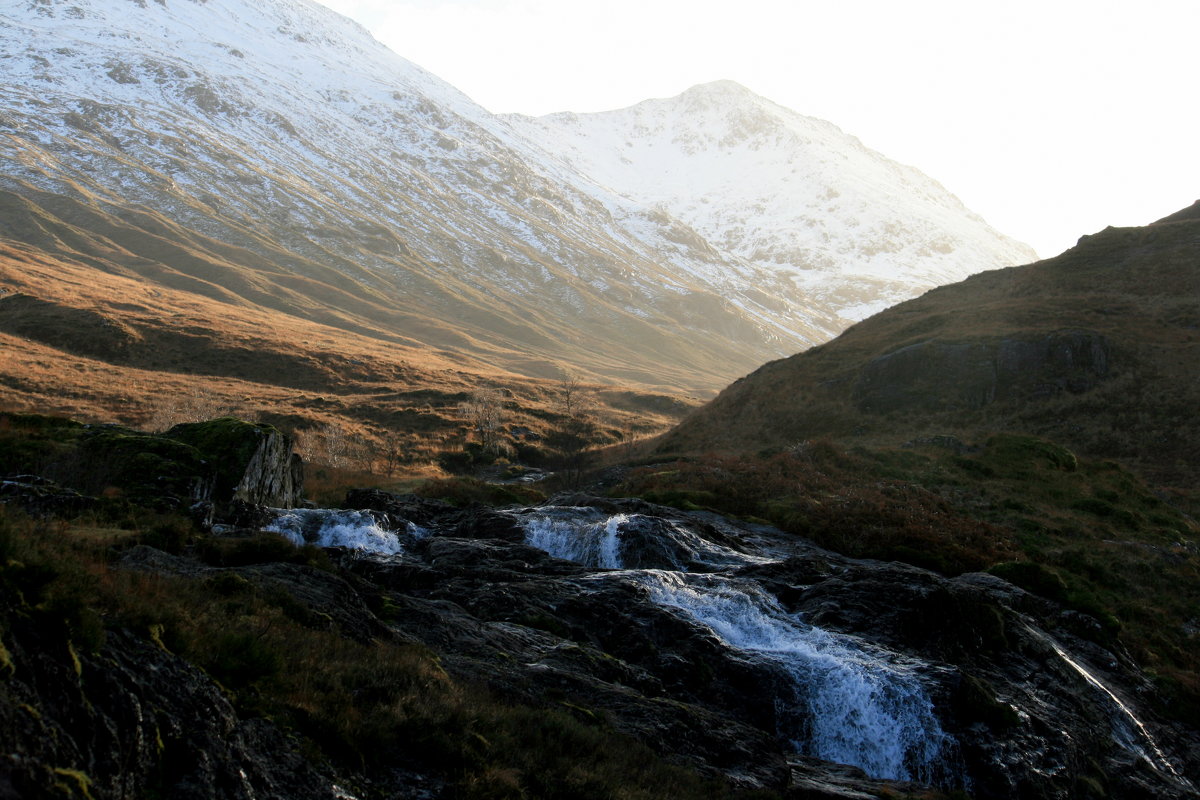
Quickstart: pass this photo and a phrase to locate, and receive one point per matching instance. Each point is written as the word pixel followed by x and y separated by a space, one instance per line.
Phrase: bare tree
pixel 575 433
pixel 484 411
pixel 573 399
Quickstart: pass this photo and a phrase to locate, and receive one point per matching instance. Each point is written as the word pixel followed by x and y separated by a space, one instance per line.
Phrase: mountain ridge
pixel 823 202
pixel 337 152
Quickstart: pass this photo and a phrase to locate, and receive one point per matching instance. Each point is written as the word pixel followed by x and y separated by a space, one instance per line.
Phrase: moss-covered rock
pixel 145 468
pixel 250 462
pixel 217 462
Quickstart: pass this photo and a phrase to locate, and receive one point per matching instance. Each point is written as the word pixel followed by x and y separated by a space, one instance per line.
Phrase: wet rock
pixel 134 720
pixel 402 508
pixel 481 523
pixel 40 497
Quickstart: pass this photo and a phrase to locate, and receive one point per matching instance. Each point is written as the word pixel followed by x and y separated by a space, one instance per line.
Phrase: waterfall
pixel 858 706
pixel 581 535
pixel 595 539
pixel 847 702
pixel 356 530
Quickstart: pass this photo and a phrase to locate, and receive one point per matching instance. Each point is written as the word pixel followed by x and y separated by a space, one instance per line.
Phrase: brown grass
pixel 173 356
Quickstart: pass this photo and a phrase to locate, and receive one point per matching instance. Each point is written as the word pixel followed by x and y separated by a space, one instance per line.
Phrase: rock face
pixel 255 464
pixel 137 721
pixel 211 468
pixel 937 376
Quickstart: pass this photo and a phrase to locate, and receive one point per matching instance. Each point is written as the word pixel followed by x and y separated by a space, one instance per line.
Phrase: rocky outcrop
pixel 940 376
pixel 132 720
pixel 1025 690
pixel 735 671
pixel 253 463
pixel 215 469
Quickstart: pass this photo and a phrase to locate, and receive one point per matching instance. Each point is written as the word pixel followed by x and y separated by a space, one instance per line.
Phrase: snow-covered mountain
pixel 281 127
pixel 791 194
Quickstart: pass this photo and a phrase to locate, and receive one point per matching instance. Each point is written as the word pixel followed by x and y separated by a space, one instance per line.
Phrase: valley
pixel 358 443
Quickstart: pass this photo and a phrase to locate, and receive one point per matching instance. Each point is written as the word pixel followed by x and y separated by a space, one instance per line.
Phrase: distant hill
pixel 1098 349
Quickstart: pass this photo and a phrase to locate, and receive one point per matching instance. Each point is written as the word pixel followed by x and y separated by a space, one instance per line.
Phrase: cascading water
pixel 577 534
pixel 860 707
pixel 849 703
pixel 355 530
pixel 594 539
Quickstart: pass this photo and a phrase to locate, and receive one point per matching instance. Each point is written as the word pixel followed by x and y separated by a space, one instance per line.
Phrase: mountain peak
pixel 720 88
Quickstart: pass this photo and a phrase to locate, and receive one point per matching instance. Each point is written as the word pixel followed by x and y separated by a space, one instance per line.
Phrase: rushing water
pixel 848 703
pixel 858 706
pixel 355 530
pixel 595 539
pixel 577 534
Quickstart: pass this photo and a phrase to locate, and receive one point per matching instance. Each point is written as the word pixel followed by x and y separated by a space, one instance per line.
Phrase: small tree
pixel 484 411
pixel 575 433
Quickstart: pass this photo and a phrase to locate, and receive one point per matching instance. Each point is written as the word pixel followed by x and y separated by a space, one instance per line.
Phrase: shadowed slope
pixel 1098 348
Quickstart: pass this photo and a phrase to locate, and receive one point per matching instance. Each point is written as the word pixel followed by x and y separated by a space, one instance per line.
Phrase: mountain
pixel 1097 349
pixel 793 195
pixel 343 185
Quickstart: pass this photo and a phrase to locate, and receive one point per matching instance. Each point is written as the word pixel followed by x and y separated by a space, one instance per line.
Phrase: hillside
pixel 1097 349
pixel 274 154
pixel 140 322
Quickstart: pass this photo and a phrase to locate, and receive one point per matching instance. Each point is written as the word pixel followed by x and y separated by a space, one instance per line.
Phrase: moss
pixel 7 667
pixel 75 783
pixel 227 444
pixel 145 467
pixel 1011 455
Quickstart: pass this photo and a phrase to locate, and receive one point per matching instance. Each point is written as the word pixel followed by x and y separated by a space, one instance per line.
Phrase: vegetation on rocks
pixel 1088 534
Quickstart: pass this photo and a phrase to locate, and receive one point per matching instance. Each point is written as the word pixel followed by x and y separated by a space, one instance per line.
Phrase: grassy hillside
pixel 1098 349
pixel 1085 533
pixel 103 339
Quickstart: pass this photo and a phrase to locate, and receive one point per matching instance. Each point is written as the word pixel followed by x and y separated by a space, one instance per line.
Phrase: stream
pixel 840 698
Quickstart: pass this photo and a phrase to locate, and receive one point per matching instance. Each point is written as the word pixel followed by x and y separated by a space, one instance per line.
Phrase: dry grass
pixel 97 346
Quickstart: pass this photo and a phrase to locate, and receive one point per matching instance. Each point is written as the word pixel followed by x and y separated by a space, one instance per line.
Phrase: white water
pixel 577 534
pixel 861 707
pixel 595 539
pixel 1128 730
pixel 847 703
pixel 355 530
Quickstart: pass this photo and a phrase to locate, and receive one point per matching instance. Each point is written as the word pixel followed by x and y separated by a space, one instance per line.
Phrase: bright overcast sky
pixel 1050 118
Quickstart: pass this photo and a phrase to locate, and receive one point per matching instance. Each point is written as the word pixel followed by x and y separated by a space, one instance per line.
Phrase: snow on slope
pixel 787 192
pixel 278 123
pixel 281 126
